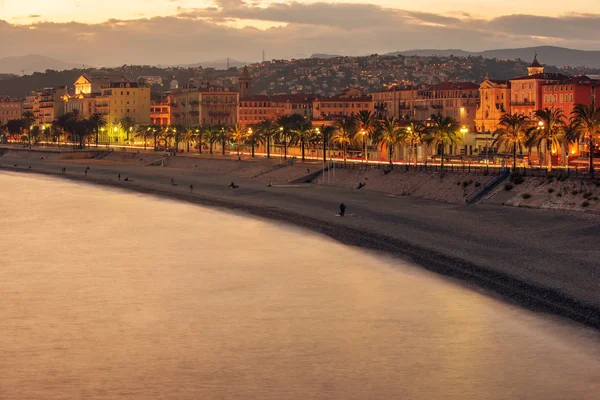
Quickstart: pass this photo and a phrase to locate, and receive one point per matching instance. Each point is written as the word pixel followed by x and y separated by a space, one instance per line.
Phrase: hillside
pixel 32 63
pixel 548 55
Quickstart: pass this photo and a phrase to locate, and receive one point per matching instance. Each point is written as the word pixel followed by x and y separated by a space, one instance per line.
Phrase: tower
pixel 245 83
pixel 535 67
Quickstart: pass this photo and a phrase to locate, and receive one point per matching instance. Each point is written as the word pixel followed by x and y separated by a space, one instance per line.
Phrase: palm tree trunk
pixel 443 157
pixel 155 142
pixel 223 146
pixel 302 150
pixel 324 148
pixel 515 156
pixel 415 151
pixel 344 148
pixel 188 146
pixel 252 148
pixel 591 147
pixel 268 146
pixel 284 148
pixel 549 154
pixel 210 147
pixel 390 153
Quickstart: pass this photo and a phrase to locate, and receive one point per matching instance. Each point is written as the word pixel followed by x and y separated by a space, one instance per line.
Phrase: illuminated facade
pixel 10 109
pixel 204 105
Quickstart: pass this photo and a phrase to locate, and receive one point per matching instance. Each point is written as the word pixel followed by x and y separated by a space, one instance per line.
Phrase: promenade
pixel 540 259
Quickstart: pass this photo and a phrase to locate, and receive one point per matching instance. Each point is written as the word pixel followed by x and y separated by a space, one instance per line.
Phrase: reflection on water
pixel 110 295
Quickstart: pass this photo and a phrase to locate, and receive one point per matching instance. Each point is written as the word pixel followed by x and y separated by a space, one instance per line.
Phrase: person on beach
pixel 172 181
pixel 86 172
pixel 342 209
pixel 233 185
pixel 126 179
pixel 308 170
pixel 360 185
pixel 191 188
pixel 119 177
pixel 270 184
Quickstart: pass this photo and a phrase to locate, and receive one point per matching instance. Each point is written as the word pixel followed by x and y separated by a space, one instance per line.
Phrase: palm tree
pixel 512 133
pixel 414 134
pixel 210 133
pixel 237 132
pixel 551 124
pixel 442 133
pixel 302 135
pixel 267 129
pixel 366 126
pixel 344 134
pixel 326 132
pixel 222 135
pixel 389 135
pixel 127 124
pixel 28 119
pixel 287 124
pixel 99 121
pixel 255 135
pixel 199 135
pixel 188 135
pixel 586 124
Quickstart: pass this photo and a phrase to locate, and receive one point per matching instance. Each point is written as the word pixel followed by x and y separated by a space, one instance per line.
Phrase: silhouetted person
pixel 360 185
pixel 126 179
pixel 270 184
pixel 119 177
pixel 86 172
pixel 342 209
pixel 307 170
pixel 172 181
pixel 29 167
pixel 233 185
pixel 191 188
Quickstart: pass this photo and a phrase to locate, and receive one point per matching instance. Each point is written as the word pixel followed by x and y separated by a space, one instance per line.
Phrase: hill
pixel 216 64
pixel 325 56
pixel 549 55
pixel 32 63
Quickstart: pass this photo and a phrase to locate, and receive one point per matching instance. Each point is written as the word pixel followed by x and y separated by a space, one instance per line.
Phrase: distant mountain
pixel 325 56
pixel 33 63
pixel 216 64
pixel 549 55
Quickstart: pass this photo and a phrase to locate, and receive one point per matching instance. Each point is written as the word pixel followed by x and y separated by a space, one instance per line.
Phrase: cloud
pixel 218 31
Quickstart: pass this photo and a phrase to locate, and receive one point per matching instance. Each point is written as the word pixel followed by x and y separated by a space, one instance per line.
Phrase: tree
pixel 222 135
pixel 238 133
pixel 99 121
pixel 302 135
pixel 551 124
pixel 512 133
pixel 586 124
pixel 286 125
pixel 326 132
pixel 211 134
pixel 344 134
pixel 366 126
pixel 28 120
pixel 187 136
pixel 389 135
pixel 267 129
pixel 127 124
pixel 414 134
pixel 442 133
pixel 255 135
pixel 142 131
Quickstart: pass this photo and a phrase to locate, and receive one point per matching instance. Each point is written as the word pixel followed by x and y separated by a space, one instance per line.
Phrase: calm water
pixel 111 295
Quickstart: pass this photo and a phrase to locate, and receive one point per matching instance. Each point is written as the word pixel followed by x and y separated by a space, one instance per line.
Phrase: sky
pixel 116 32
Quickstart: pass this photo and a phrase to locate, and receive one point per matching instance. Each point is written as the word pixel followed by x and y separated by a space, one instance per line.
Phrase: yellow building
pixel 204 104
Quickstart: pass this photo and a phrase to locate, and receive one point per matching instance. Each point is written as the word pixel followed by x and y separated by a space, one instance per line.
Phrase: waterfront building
pixel 348 104
pixel 46 104
pixel 160 113
pixel 10 109
pixel 204 104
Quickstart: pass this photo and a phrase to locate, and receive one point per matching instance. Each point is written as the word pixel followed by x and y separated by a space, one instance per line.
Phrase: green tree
pixel 128 125
pixel 301 135
pixel 237 132
pixel 28 120
pixel 550 130
pixel 268 129
pixel 442 132
pixel 344 134
pixel 255 136
pixel 586 124
pixel 98 121
pixel 389 135
pixel 413 134
pixel 512 133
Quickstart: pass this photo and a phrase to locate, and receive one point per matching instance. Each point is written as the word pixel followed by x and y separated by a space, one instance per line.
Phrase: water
pixel 110 295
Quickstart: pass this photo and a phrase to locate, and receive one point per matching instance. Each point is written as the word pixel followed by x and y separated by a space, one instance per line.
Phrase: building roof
pixel 345 98
pixel 456 86
pixel 102 77
pixel 535 63
pixel 579 80
pixel 283 98
pixel 549 76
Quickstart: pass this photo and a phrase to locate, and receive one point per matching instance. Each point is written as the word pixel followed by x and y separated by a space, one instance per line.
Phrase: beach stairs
pixel 310 177
pixel 102 154
pixel 159 161
pixel 477 196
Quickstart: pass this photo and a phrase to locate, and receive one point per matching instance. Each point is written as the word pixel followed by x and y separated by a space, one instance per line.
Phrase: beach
pixel 544 260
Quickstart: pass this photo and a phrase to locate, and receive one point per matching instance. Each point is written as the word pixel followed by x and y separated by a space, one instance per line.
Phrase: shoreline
pixel 526 294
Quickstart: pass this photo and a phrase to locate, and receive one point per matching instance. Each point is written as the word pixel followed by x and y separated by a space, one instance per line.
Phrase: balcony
pixel 522 103
pixel 219 113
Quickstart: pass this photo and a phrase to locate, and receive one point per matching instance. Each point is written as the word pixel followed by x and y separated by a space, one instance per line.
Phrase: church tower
pixel 245 83
pixel 535 67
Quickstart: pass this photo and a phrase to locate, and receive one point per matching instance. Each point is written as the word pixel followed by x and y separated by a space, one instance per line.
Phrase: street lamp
pixel 283 135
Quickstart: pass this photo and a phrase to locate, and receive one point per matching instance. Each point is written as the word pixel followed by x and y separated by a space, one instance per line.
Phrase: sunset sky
pixel 182 31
